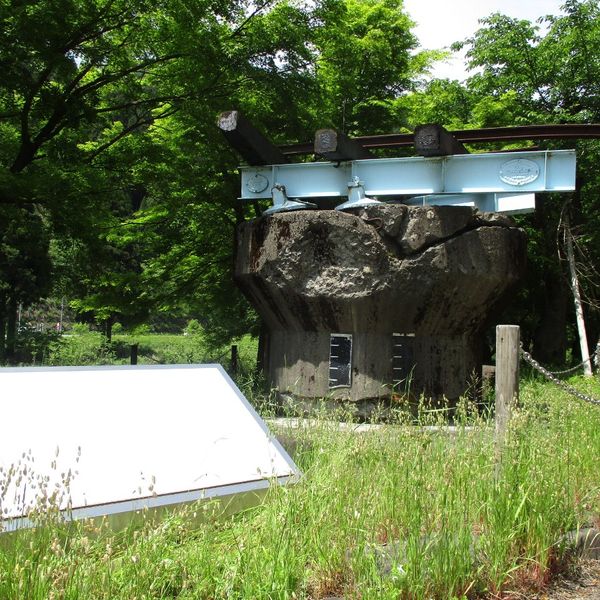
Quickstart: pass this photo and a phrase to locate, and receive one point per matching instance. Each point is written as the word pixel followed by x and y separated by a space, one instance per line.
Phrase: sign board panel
pixel 126 438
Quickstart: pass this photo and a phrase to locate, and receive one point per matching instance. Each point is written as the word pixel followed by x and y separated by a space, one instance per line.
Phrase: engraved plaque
pixel 257 183
pixel 427 137
pixel 403 357
pixel 519 171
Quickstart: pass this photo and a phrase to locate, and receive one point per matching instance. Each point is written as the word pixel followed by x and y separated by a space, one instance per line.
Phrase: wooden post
pixel 262 352
pixel 507 377
pixel 10 345
pixel 250 143
pixel 234 359
pixel 433 140
pixel 2 334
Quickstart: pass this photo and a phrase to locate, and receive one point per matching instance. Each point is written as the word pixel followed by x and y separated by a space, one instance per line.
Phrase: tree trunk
pixel 262 354
pixel 24 157
pixel 233 363
pixel 133 357
pixel 550 341
pixel 583 343
pixel 11 332
pixel 108 325
pixel 2 332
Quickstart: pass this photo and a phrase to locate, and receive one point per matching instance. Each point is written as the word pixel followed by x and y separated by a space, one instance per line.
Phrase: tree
pixel 185 228
pixel 80 78
pixel 546 78
pixel 24 269
pixel 364 63
pixel 107 110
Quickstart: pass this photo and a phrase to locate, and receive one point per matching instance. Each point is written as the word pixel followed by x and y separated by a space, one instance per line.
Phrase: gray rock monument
pixel 388 299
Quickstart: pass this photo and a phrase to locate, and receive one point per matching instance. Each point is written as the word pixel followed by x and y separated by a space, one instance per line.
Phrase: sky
pixel 441 22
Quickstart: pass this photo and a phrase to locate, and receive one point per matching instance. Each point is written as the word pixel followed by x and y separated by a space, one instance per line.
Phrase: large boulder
pixel 433 273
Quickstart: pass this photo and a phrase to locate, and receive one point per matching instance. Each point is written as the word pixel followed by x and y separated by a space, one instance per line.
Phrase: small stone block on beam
pixel 335 145
pixel 434 140
pixel 250 143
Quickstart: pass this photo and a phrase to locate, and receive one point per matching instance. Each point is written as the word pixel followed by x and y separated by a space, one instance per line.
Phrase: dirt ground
pixel 582 584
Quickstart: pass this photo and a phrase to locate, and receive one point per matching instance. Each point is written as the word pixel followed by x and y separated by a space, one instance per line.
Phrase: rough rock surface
pixel 433 271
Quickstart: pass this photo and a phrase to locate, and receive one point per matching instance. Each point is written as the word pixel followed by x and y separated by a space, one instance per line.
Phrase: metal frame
pixel 112 509
pixel 341 385
pixel 561 131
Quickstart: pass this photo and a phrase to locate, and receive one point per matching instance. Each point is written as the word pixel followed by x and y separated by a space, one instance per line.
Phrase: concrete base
pixel 433 274
pixel 298 362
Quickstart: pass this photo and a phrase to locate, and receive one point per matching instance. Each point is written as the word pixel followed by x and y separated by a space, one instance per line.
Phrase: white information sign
pixel 119 439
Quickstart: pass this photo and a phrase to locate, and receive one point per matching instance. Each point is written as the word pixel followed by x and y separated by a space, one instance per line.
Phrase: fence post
pixel 507 377
pixel 133 356
pixel 234 359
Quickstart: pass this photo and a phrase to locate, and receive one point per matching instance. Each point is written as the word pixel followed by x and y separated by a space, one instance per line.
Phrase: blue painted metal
pixel 356 196
pixel 503 181
pixel 281 203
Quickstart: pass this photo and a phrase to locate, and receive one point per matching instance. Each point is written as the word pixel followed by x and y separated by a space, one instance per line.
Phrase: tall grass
pixel 399 511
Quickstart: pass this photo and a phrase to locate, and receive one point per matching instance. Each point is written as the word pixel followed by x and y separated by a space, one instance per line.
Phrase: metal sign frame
pixel 346 365
pixel 253 485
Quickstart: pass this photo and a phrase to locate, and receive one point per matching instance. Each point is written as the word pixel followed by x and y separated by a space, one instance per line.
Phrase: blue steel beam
pixel 503 181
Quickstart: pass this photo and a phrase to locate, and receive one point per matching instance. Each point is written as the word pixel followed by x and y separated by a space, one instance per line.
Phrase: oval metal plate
pixel 519 171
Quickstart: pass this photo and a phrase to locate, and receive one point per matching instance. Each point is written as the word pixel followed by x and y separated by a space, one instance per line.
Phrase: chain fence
pixel 552 376
pixel 572 369
pixel 593 360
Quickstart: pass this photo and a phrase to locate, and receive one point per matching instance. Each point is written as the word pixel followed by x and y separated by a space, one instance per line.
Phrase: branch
pixel 134 223
pixel 135 103
pixel 249 18
pixel 16 199
pixel 125 132
pixel 131 128
pixel 110 77
pixel 90 31
pixel 69 88
pixel 24 113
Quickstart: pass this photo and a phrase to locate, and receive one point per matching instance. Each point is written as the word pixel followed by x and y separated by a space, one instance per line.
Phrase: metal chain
pixel 593 360
pixel 565 386
pixel 572 369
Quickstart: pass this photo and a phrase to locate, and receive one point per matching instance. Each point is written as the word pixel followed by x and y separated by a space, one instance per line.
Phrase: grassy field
pixel 83 347
pixel 402 511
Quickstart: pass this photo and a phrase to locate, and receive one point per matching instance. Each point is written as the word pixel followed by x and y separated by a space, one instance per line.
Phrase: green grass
pixel 83 347
pixel 456 523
